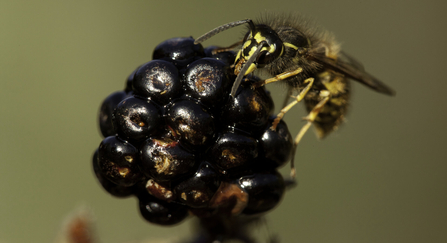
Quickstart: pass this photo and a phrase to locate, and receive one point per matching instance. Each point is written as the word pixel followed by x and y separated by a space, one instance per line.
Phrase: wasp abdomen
pixel 333 112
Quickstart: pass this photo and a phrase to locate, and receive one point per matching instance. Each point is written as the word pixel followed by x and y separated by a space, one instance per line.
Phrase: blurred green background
pixel 382 177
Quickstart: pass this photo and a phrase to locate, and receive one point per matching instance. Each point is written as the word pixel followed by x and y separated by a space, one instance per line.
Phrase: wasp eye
pixel 267 57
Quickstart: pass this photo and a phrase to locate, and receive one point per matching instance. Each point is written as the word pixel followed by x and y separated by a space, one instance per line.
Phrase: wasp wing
pixel 342 56
pixel 351 69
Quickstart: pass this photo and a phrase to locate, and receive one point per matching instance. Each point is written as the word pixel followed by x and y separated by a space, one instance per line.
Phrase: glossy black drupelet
pixel 250 109
pixel 178 141
pixel 117 161
pixel 159 211
pixel 158 80
pixel 165 159
pixel 276 144
pixel 265 190
pixel 106 111
pixel 208 80
pixel 197 190
pixel 179 51
pixel 191 121
pixel 110 187
pixel 135 119
pixel 234 149
pixel 226 57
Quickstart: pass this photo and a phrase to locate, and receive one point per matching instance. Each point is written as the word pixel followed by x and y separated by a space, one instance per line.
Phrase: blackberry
pixel 177 140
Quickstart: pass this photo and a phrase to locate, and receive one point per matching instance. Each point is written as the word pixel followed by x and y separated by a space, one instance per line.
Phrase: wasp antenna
pixel 221 28
pixel 244 69
pixel 252 25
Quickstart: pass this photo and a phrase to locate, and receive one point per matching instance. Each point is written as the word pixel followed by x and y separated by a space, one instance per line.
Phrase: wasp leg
pixel 300 97
pixel 325 95
pixel 228 48
pixel 278 77
pixel 290 182
pixel 287 97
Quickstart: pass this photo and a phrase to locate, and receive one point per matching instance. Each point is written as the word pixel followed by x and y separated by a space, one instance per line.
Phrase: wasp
pixel 308 60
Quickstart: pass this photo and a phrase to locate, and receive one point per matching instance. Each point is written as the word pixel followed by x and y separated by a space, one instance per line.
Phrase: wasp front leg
pixel 228 48
pixel 278 77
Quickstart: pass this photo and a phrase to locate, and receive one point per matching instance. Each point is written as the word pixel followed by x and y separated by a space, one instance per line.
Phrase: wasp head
pixel 259 36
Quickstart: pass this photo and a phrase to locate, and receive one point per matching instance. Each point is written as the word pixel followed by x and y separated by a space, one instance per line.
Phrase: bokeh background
pixel 382 177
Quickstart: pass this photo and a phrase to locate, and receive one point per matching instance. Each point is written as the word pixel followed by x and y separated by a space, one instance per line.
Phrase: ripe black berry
pixel 160 190
pixel 277 144
pixel 165 159
pixel 234 149
pixel 110 187
pixel 158 80
pixel 106 111
pixel 118 161
pixel 197 190
pixel 192 121
pixel 161 212
pixel 136 119
pixel 129 82
pixel 226 57
pixel 265 189
pixel 250 109
pixel 208 80
pixel 179 51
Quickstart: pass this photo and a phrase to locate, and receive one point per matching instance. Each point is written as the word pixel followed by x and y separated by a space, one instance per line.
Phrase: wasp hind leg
pixel 298 98
pixel 310 118
pixel 287 97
